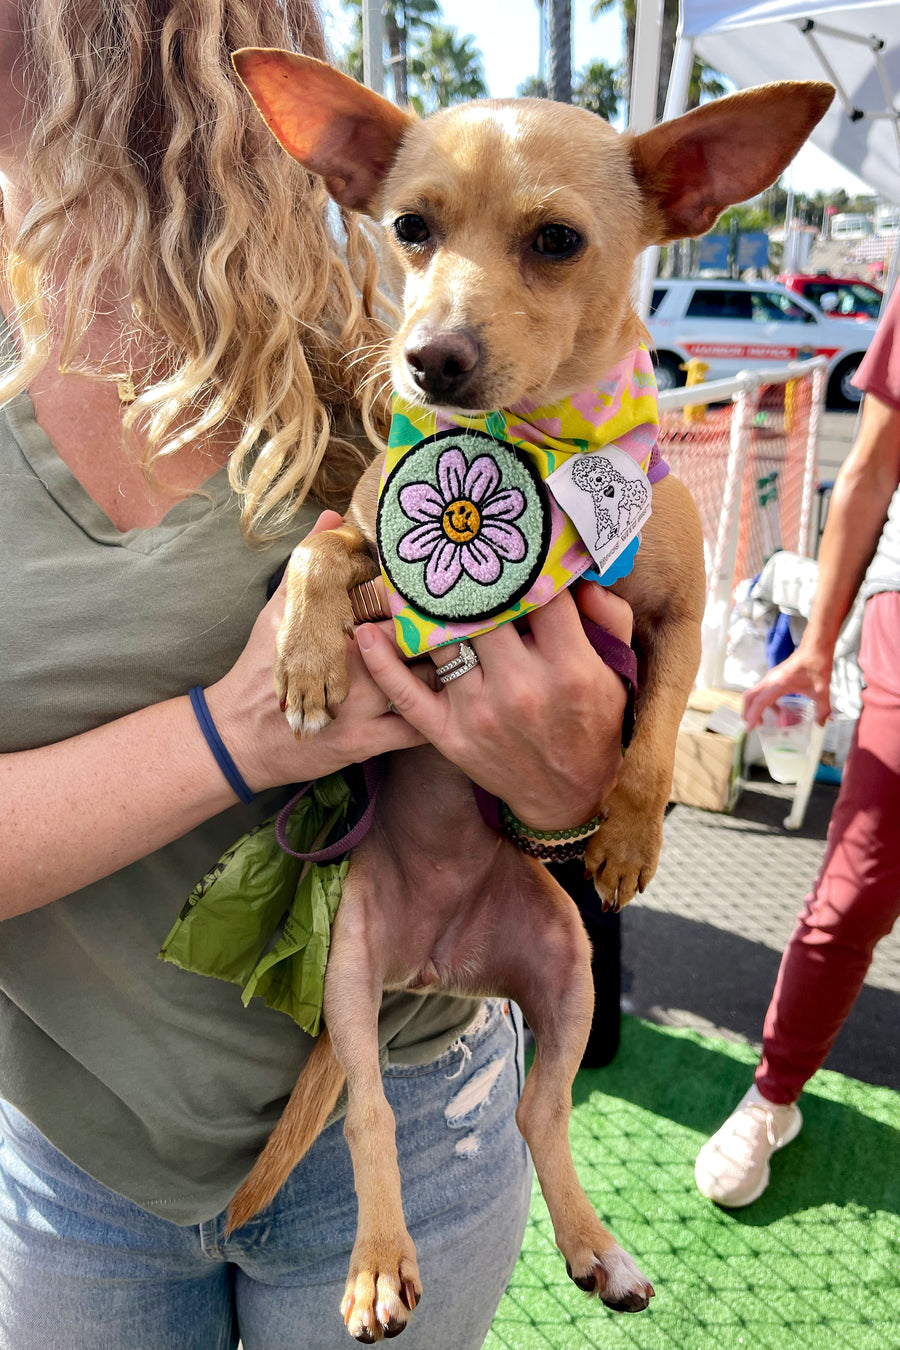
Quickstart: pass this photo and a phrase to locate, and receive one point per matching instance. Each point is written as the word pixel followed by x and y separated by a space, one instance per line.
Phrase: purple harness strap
pixel 372 773
pixel 613 651
pixel 657 468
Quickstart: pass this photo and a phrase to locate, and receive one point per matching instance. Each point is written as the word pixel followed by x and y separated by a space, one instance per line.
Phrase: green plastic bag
pixel 262 918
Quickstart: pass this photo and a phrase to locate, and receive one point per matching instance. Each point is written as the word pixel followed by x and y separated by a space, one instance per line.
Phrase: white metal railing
pixel 722 538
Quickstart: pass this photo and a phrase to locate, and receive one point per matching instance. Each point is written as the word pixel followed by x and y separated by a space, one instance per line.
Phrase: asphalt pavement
pixel 702 946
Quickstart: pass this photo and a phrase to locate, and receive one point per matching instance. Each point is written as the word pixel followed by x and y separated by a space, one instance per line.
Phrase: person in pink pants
pixel 855 899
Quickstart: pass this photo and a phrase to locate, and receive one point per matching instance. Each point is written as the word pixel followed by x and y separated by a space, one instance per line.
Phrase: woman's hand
pixel 806 671
pixel 133 785
pixel 245 709
pixel 860 502
pixel 538 721
pixel 540 727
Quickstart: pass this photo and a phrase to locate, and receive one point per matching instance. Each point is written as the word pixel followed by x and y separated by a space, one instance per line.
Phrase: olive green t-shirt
pixel 157 1082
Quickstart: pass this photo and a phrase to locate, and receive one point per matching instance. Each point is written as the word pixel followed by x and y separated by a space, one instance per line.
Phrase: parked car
pixel 841 297
pixel 736 325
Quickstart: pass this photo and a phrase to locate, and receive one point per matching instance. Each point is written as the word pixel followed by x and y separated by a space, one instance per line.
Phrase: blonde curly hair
pixel 148 163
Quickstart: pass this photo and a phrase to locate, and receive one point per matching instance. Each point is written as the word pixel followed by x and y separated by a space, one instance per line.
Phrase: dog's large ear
pixel 721 153
pixel 335 127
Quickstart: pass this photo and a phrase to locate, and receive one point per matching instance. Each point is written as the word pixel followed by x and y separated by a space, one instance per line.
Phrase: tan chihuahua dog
pixel 517 225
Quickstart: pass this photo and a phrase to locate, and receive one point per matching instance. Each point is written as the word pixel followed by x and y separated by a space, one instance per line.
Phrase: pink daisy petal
pixel 482 478
pixel 420 543
pixel 420 501
pixel 506 505
pixel 451 474
pixel 480 562
pixel 506 539
pixel 444 568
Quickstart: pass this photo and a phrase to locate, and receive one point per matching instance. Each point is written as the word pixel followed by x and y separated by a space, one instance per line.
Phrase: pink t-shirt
pixel 879 370
pixel 879 374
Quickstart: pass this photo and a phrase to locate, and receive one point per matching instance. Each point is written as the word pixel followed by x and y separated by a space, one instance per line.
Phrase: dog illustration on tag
pixel 607 496
pixel 617 501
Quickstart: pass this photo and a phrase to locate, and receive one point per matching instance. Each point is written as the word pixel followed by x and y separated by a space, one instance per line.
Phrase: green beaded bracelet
pixel 546 843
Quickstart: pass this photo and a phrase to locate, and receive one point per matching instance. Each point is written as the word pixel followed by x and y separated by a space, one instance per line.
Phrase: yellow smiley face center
pixel 461 521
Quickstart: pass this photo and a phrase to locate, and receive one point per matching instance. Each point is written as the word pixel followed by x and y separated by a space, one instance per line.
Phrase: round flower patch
pixel 463 525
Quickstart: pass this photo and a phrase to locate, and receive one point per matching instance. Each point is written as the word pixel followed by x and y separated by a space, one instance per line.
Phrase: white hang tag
pixel 607 497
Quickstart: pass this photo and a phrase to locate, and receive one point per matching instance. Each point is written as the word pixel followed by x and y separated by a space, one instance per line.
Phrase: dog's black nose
pixel 442 366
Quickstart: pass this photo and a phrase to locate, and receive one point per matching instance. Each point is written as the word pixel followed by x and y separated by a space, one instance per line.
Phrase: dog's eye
pixel 557 241
pixel 411 229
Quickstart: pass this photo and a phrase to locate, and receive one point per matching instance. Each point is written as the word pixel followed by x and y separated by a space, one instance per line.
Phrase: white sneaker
pixel 732 1168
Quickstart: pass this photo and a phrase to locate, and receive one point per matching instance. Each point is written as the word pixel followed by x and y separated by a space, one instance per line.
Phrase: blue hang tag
pixel 618 568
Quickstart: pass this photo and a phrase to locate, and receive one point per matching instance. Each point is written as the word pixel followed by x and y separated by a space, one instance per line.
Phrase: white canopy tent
pixel 855 46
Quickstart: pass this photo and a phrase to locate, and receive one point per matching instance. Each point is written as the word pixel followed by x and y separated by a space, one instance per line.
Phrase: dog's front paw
pixel 311 676
pixel 623 854
pixel 383 1288
pixel 614 1277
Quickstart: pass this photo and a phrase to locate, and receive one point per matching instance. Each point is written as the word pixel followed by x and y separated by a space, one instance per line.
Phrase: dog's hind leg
pixel 383 1284
pixel 554 989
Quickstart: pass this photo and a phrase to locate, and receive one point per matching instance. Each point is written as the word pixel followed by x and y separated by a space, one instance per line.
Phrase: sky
pixel 507 32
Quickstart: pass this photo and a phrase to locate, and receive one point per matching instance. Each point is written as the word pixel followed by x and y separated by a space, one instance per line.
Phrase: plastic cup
pixel 784 733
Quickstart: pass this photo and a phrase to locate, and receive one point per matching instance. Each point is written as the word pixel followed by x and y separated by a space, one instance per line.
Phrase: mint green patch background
pixel 467 598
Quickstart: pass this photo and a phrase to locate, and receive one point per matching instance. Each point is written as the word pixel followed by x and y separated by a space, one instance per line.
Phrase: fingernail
pixel 365 637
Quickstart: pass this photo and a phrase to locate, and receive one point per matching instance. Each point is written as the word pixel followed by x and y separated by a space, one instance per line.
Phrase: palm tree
pixel 598 89
pixel 559 50
pixel 445 69
pixel 403 19
pixel 705 82
pixel 534 87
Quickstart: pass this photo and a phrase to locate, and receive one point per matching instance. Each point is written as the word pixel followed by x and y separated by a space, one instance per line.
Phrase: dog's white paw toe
pixel 617 1281
pixel 377 1308
pixel 302 722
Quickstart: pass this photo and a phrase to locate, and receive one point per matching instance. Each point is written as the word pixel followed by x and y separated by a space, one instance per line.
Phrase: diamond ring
pixel 463 662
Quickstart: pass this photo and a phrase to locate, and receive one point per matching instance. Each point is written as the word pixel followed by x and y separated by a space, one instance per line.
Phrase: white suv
pixel 736 325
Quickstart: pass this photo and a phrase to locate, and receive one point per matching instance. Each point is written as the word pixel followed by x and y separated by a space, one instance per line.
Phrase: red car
pixel 838 297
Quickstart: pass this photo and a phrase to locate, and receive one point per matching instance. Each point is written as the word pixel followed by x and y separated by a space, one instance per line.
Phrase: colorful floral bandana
pixel 468 535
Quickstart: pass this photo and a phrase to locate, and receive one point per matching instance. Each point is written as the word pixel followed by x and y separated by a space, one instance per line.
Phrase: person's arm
pixel 538 722
pixel 856 515
pixel 80 809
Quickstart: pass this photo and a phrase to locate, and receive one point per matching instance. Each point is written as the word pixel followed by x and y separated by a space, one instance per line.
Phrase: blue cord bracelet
pixel 217 745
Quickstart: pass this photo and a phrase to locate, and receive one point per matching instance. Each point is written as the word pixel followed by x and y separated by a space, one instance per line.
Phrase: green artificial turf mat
pixel 813 1265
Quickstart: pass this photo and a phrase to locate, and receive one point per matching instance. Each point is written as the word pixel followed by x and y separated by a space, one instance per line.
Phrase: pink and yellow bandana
pixel 468 534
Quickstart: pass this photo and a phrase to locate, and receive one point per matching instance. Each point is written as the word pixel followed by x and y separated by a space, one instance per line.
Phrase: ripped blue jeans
pixel 81 1268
